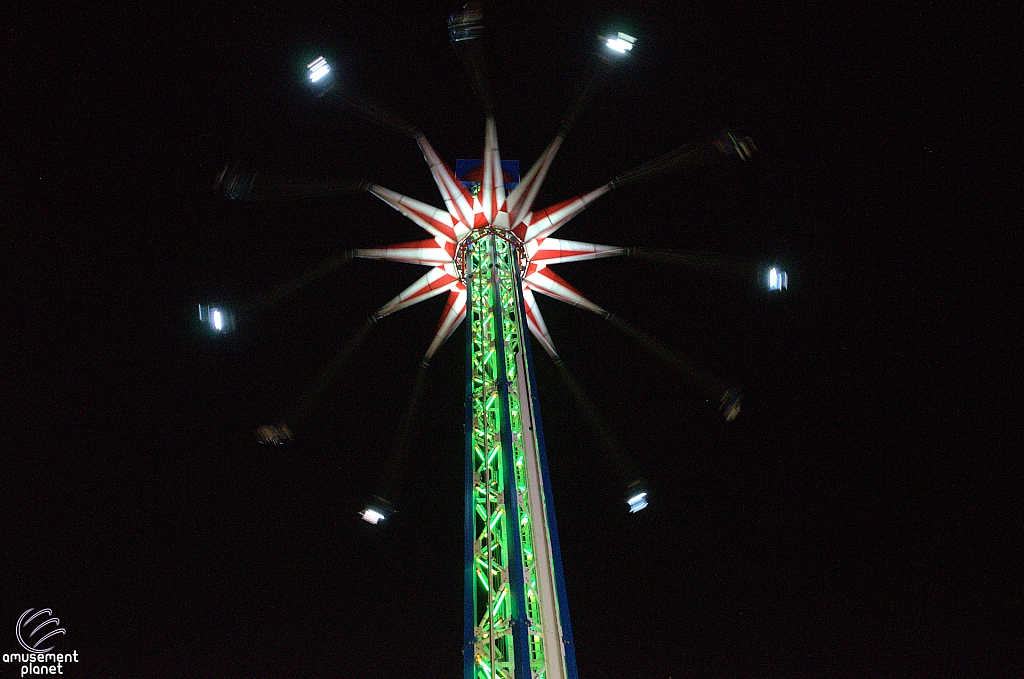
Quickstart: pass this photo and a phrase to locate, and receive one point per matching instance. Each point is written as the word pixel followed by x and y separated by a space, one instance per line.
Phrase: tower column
pixel 517 629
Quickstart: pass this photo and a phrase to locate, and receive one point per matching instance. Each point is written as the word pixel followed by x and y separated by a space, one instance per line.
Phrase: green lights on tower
pixel 514 600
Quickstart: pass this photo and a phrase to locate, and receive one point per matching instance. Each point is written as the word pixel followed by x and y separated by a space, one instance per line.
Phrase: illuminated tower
pixel 490 251
pixel 516 614
pixel 514 588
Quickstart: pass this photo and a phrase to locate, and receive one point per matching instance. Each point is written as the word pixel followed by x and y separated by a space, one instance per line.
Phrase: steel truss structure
pixel 491 252
pixel 514 585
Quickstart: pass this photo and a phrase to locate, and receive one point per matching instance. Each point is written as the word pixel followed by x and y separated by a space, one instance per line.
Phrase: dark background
pixel 858 519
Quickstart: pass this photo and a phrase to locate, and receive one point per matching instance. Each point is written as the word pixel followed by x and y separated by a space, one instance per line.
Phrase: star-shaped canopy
pixel 490 209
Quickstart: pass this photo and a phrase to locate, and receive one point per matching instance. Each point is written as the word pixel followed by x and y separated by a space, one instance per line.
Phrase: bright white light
pixel 218 320
pixel 318 69
pixel 618 45
pixel 621 43
pixel 372 516
pixel 637 502
pixel 319 73
pixel 777 280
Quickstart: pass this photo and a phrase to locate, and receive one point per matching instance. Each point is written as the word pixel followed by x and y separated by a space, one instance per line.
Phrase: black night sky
pixel 855 521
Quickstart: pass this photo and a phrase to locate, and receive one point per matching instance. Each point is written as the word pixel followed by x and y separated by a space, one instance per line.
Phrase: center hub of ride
pixel 476 235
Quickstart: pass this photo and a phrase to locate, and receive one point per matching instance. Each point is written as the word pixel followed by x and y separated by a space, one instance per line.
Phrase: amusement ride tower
pixel 490 250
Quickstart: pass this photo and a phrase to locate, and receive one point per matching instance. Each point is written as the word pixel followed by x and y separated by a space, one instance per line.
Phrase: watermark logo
pixel 43 629
pixel 37 631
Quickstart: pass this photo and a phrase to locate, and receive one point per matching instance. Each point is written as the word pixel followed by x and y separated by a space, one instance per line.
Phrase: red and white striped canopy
pixel 491 208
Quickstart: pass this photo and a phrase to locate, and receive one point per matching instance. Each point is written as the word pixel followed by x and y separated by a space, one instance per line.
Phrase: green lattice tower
pixel 517 622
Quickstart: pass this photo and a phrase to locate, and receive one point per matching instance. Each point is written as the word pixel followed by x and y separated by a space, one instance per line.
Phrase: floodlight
pixel 777 280
pixel 621 43
pixel 318 69
pixel 636 496
pixel 637 502
pixel 217 318
pixel 377 510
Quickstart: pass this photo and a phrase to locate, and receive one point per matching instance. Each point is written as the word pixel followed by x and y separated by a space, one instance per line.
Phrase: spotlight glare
pixel 621 43
pixel 777 280
pixel 377 509
pixel 318 69
pixel 218 320
pixel 637 502
pixel 636 495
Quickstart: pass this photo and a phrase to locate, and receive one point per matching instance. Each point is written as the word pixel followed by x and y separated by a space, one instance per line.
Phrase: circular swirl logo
pixel 41 629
